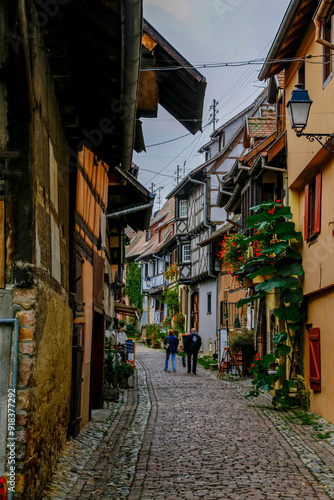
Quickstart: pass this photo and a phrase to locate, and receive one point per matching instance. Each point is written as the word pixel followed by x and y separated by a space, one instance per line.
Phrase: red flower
pixel 278 201
pixel 252 366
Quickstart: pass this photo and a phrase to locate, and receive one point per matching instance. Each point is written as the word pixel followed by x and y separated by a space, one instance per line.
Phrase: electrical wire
pixel 235 64
pixel 170 140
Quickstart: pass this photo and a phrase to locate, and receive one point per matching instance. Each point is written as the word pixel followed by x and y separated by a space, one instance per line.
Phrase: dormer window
pixel 207 155
pixel 183 212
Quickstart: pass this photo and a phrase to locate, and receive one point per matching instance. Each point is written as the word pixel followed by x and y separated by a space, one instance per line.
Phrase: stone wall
pixel 44 385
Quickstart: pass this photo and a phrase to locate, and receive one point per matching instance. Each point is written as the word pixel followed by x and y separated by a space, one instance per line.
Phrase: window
pixel 209 297
pixel 186 253
pixel 327 52
pixel 312 213
pixel 173 257
pixel 145 270
pixel 148 235
pixel 221 141
pixel 207 155
pixel 183 208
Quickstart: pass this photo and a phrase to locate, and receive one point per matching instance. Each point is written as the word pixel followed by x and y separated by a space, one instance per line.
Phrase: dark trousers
pixel 194 356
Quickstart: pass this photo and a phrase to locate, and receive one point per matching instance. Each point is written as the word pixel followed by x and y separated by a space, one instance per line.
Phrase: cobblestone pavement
pixel 180 436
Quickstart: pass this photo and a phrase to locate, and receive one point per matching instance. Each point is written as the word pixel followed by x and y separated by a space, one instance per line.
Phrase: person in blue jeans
pixel 172 342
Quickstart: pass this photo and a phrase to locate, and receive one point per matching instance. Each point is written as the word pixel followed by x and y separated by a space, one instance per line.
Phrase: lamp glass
pixel 298 114
pixel 299 108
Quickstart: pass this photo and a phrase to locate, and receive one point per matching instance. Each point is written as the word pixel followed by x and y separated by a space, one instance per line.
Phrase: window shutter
pixel 317 208
pixel 306 211
pixel 315 367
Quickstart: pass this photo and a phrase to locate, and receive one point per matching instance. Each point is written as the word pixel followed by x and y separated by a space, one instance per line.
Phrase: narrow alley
pixel 180 436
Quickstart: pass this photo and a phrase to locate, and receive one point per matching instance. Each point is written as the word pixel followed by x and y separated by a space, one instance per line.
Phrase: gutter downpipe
pixel 132 16
pixel 129 210
pixel 319 19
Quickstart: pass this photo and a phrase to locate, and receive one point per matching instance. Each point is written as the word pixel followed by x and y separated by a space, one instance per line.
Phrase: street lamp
pixel 299 109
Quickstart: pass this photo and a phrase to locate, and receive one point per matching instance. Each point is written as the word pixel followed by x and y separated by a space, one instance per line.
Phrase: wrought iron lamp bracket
pixel 329 139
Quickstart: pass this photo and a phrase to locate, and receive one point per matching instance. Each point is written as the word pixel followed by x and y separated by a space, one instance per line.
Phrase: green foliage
pixel 207 362
pixel 279 264
pixel 133 285
pixel 233 252
pixel 240 339
pixel 155 332
pixel 123 371
pixel 172 300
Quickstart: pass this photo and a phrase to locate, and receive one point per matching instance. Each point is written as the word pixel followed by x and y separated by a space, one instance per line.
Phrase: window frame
pixel 181 204
pixel 312 208
pixel 327 34
pixel 184 260
pixel 209 303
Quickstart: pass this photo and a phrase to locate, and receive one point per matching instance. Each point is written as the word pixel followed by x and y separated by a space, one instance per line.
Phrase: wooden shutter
pixel 317 207
pixel 306 211
pixel 315 366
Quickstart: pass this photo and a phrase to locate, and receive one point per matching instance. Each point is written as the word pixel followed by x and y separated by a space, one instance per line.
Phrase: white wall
pixel 207 322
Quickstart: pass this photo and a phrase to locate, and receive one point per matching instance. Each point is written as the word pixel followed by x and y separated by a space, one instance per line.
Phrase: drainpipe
pixel 129 211
pixel 132 15
pixel 319 19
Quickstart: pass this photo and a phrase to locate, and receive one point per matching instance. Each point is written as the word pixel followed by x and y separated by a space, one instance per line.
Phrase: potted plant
pixel 110 390
pixel 123 371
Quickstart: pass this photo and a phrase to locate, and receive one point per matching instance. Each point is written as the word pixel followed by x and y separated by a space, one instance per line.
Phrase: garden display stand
pixel 227 350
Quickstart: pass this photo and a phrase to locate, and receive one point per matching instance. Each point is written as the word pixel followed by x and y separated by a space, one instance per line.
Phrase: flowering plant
pixel 171 272
pixel 234 250
pixel 179 321
pixel 168 321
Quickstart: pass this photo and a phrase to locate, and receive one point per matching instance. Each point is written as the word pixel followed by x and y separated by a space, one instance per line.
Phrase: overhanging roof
pixel 181 91
pixel 126 194
pixel 288 38
pixel 94 70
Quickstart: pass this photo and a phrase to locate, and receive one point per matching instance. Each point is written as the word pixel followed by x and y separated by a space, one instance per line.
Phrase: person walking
pixel 171 343
pixel 192 345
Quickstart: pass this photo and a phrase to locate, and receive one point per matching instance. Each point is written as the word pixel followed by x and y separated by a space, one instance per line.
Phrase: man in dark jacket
pixel 172 342
pixel 191 346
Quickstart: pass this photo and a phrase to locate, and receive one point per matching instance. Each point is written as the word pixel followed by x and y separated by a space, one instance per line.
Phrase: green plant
pixel 234 250
pixel 280 264
pixel 171 273
pixel 109 362
pixel 207 362
pixel 154 332
pixel 241 339
pixel 179 322
pixel 123 371
pixel 133 285
pixel 171 298
pixel 325 435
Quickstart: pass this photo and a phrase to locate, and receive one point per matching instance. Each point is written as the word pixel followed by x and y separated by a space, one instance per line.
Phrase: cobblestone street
pixel 180 436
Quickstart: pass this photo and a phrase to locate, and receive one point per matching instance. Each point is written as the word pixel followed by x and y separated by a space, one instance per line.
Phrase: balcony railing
pixel 154 282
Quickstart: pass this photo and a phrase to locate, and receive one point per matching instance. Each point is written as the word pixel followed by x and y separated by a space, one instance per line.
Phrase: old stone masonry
pixel 180 436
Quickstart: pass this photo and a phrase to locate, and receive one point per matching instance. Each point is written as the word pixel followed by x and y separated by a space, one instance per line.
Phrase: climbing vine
pixel 279 263
pixel 133 285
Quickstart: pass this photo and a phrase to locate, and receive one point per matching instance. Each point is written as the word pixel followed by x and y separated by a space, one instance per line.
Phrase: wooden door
pixel 195 310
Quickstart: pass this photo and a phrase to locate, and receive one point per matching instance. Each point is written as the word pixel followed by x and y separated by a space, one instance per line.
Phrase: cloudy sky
pixel 206 31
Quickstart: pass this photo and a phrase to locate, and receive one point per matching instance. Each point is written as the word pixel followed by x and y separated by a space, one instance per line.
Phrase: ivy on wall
pixel 133 285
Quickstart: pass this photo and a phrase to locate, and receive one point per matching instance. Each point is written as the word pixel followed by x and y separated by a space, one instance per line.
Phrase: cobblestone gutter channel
pixel 111 446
